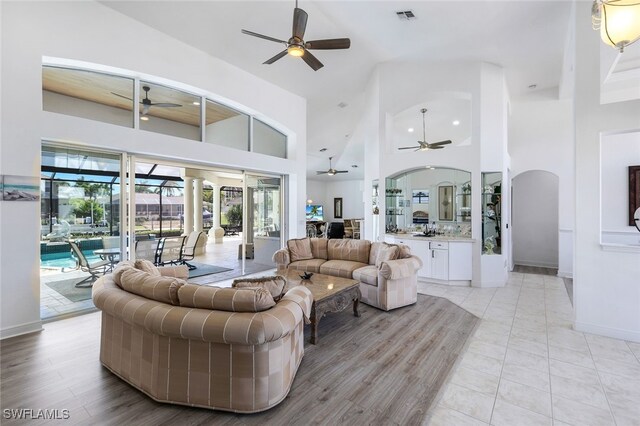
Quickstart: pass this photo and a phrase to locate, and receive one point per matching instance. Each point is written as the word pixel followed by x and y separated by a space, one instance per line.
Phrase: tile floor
pixel 54 306
pixel 525 365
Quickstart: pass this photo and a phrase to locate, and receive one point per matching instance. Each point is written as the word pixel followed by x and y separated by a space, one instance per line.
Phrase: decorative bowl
pixel 306 275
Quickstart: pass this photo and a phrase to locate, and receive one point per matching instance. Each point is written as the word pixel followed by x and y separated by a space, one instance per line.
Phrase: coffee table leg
pixel 314 325
pixel 355 307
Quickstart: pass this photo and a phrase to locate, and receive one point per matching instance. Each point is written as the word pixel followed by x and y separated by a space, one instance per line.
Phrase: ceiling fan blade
pixel 251 33
pixel 275 58
pixel 435 147
pixel 322 173
pixel 334 43
pixel 299 22
pixel 409 147
pixel 165 105
pixel 129 99
pixel 440 143
pixel 341 171
pixel 312 61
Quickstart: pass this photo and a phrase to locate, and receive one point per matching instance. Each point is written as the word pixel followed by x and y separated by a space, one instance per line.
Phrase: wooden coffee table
pixel 330 294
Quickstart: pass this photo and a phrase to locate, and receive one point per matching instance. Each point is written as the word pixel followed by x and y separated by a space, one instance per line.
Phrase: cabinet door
pixel 440 264
pixel 460 255
pixel 419 249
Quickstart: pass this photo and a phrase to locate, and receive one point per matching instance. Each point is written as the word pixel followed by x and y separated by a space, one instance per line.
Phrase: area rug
pixel 68 289
pixel 205 269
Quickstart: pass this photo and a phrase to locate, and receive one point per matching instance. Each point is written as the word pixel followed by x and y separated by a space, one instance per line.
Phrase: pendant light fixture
pixel 618 21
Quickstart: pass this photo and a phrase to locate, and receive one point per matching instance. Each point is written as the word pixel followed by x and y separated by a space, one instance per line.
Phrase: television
pixel 314 212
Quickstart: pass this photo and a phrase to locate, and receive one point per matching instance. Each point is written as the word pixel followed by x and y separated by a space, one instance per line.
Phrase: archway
pixel 534 218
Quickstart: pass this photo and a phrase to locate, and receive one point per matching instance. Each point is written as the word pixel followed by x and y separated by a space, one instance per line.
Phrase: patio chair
pixel 150 250
pixel 110 243
pixel 94 269
pixel 189 249
pixel 171 250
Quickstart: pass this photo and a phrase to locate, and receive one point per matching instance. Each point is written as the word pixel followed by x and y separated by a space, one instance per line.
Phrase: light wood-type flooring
pixel 381 368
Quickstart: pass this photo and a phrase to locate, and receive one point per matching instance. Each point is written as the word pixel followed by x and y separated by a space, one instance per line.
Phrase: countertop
pixel 415 237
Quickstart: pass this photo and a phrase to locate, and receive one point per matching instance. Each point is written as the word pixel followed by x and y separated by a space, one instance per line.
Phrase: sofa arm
pixel 245 328
pixel 400 268
pixel 301 296
pixel 281 258
pixel 181 271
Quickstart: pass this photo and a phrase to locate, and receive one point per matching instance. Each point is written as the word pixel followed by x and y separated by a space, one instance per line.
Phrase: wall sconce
pixel 618 21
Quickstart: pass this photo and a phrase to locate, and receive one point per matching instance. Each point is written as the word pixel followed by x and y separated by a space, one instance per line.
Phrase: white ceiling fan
pixel 423 144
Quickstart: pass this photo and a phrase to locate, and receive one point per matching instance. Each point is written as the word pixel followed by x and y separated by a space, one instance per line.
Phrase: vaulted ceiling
pixel 525 37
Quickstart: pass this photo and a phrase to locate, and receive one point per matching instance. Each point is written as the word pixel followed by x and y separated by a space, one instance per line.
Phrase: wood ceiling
pixel 100 88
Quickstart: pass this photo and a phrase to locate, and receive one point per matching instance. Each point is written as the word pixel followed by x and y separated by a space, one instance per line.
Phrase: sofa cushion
pixel 404 251
pixel 340 268
pixel 147 266
pixel 225 299
pixel 387 252
pixel 299 249
pixel 319 248
pixel 311 265
pixel 353 250
pixel 159 288
pixel 274 285
pixel 367 275
pixel 373 253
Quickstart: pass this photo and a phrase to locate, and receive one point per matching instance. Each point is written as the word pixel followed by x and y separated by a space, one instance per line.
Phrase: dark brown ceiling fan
pixel 423 144
pixel 146 102
pixel 296 46
pixel 331 171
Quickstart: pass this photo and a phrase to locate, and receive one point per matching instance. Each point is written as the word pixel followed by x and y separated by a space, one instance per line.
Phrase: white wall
pixel 232 132
pixel 541 137
pixel 90 32
pixel 351 192
pixel 535 219
pixel 606 292
pixel 618 153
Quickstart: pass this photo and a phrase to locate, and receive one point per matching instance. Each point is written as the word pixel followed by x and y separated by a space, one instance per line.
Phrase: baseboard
pixel 565 274
pixel 18 330
pixel 539 264
pixel 616 333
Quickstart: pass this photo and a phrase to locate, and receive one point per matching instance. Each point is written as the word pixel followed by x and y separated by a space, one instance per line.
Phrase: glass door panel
pixel 263 224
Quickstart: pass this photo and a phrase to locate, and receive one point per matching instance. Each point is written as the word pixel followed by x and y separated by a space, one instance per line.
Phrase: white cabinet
pixel 418 249
pixel 439 260
pixel 460 255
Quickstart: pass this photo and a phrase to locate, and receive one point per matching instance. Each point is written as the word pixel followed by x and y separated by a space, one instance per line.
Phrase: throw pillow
pixel 404 251
pixel 386 252
pixel 147 266
pixel 225 299
pixel 275 285
pixel 299 249
pixel 162 289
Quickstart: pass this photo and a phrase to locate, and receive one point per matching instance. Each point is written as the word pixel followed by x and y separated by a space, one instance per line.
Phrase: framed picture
pixel 20 188
pixel 420 196
pixel 337 208
pixel 445 202
pixel 634 192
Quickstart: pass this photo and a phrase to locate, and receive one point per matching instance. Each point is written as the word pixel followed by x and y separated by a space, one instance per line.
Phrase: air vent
pixel 406 15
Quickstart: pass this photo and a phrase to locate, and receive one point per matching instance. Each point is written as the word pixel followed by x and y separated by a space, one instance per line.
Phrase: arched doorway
pixel 534 218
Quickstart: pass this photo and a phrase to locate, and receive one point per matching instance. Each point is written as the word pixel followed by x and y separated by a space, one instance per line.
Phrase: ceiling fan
pixel 296 46
pixel 331 170
pixel 423 144
pixel 146 102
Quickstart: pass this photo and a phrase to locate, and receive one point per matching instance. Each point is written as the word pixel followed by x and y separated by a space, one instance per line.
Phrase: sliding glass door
pixel 263 225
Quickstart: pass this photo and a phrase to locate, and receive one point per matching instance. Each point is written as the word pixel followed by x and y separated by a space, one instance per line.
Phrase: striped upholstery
pixel 353 250
pixel 281 258
pixel 340 268
pixel 405 251
pixel 241 362
pixel 225 299
pixel 181 271
pixel 299 249
pixel 311 265
pixel 367 274
pixel 146 266
pixel 385 253
pixel 400 268
pixel 162 289
pixel 319 248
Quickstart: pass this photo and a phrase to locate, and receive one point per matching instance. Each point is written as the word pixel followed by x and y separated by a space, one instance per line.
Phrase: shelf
pixel 394 195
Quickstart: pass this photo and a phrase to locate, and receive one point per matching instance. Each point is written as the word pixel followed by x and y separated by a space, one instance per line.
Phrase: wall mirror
pixel 418 199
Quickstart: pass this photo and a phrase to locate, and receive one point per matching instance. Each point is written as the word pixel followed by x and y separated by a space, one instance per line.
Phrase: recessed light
pixel 196 103
pixel 323 149
pixel 456 122
pixel 533 86
pixel 410 130
pixel 144 118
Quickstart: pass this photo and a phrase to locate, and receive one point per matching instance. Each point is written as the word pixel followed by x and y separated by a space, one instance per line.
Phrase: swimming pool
pixel 65 260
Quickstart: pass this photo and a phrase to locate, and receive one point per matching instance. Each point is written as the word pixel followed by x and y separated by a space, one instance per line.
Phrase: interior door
pixel 262 221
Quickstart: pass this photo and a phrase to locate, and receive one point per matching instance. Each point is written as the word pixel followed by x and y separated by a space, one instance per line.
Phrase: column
pixel 197 204
pixel 218 232
pixel 188 205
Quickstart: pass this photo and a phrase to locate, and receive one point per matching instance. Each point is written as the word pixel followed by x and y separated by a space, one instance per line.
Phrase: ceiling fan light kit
pixel 618 21
pixel 423 144
pixel 297 47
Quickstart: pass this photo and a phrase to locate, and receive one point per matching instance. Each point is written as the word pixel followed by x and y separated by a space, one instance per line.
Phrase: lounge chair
pixel 95 269
pixel 189 249
pixel 149 250
pixel 171 250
